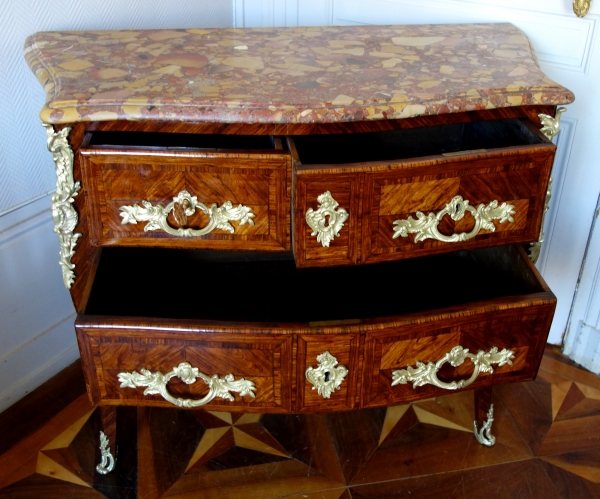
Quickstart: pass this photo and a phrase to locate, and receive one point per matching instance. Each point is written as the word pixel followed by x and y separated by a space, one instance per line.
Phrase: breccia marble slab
pixel 287 75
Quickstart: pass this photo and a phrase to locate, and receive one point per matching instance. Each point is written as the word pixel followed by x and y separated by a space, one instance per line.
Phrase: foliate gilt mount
pixel 156 384
pixel 426 226
pixel 328 376
pixel 327 221
pixel 63 213
pixel 108 461
pixel 183 206
pixel 424 374
pixel 484 435
pixel 550 125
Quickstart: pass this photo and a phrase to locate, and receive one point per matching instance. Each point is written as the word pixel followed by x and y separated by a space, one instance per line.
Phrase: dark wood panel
pixel 524 480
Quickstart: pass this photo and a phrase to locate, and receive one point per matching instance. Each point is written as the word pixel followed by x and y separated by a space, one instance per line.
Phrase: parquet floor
pixel 548 446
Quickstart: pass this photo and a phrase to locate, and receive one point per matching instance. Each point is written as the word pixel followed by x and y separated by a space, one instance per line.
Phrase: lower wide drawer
pixel 227 331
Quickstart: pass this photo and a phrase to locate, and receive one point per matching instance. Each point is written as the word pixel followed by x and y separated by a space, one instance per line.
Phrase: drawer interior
pixel 415 142
pixel 242 287
pixel 157 140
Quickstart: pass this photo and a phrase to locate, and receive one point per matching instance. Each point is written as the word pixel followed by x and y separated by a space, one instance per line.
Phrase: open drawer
pixel 373 197
pixel 187 190
pixel 275 338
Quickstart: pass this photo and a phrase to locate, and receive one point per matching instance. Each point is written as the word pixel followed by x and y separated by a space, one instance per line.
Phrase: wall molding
pixel 37 314
pixel 21 372
pixel 564 145
pixel 582 340
pixel 282 13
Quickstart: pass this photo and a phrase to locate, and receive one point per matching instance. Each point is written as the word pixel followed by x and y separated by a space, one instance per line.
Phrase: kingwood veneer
pixel 324 149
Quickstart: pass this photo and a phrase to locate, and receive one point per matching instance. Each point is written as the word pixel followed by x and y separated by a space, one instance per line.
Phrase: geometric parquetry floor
pixel 547 446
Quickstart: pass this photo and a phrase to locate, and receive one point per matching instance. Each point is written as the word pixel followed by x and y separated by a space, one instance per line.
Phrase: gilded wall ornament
pixel 63 213
pixel 108 461
pixel 484 435
pixel 424 374
pixel 581 7
pixel 156 384
pixel 183 206
pixel 425 226
pixel 327 221
pixel 327 376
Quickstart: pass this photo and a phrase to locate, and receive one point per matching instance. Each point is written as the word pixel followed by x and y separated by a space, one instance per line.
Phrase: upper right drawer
pixel 372 197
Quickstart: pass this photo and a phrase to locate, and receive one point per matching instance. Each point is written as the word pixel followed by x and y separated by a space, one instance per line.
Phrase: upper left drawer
pixel 184 190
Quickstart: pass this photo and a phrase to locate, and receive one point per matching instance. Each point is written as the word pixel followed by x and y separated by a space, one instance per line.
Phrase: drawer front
pixel 111 359
pixel 423 358
pixel 483 201
pixel 328 372
pixel 341 247
pixel 191 199
pixel 309 340
pixel 374 211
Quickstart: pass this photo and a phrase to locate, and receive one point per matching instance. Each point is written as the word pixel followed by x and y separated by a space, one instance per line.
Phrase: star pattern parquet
pixel 548 445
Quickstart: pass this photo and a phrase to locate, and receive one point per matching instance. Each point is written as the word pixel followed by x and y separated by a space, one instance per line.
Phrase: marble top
pixel 287 75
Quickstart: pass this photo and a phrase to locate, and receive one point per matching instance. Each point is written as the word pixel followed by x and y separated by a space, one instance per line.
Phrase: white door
pixel 568 49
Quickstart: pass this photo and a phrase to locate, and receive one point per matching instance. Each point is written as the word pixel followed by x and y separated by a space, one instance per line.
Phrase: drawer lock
pixel 156 384
pixel 425 227
pixel 183 206
pixel 328 376
pixel 425 374
pixel 327 221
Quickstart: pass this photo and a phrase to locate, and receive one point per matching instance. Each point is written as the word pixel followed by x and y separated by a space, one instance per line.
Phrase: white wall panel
pixel 36 328
pixel 29 263
pixel 281 13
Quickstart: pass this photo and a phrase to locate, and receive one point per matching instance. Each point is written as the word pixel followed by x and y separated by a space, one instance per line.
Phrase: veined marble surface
pixel 287 75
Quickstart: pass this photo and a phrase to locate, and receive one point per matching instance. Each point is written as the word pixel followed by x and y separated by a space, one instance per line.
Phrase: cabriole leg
pixel 484 416
pixel 108 439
